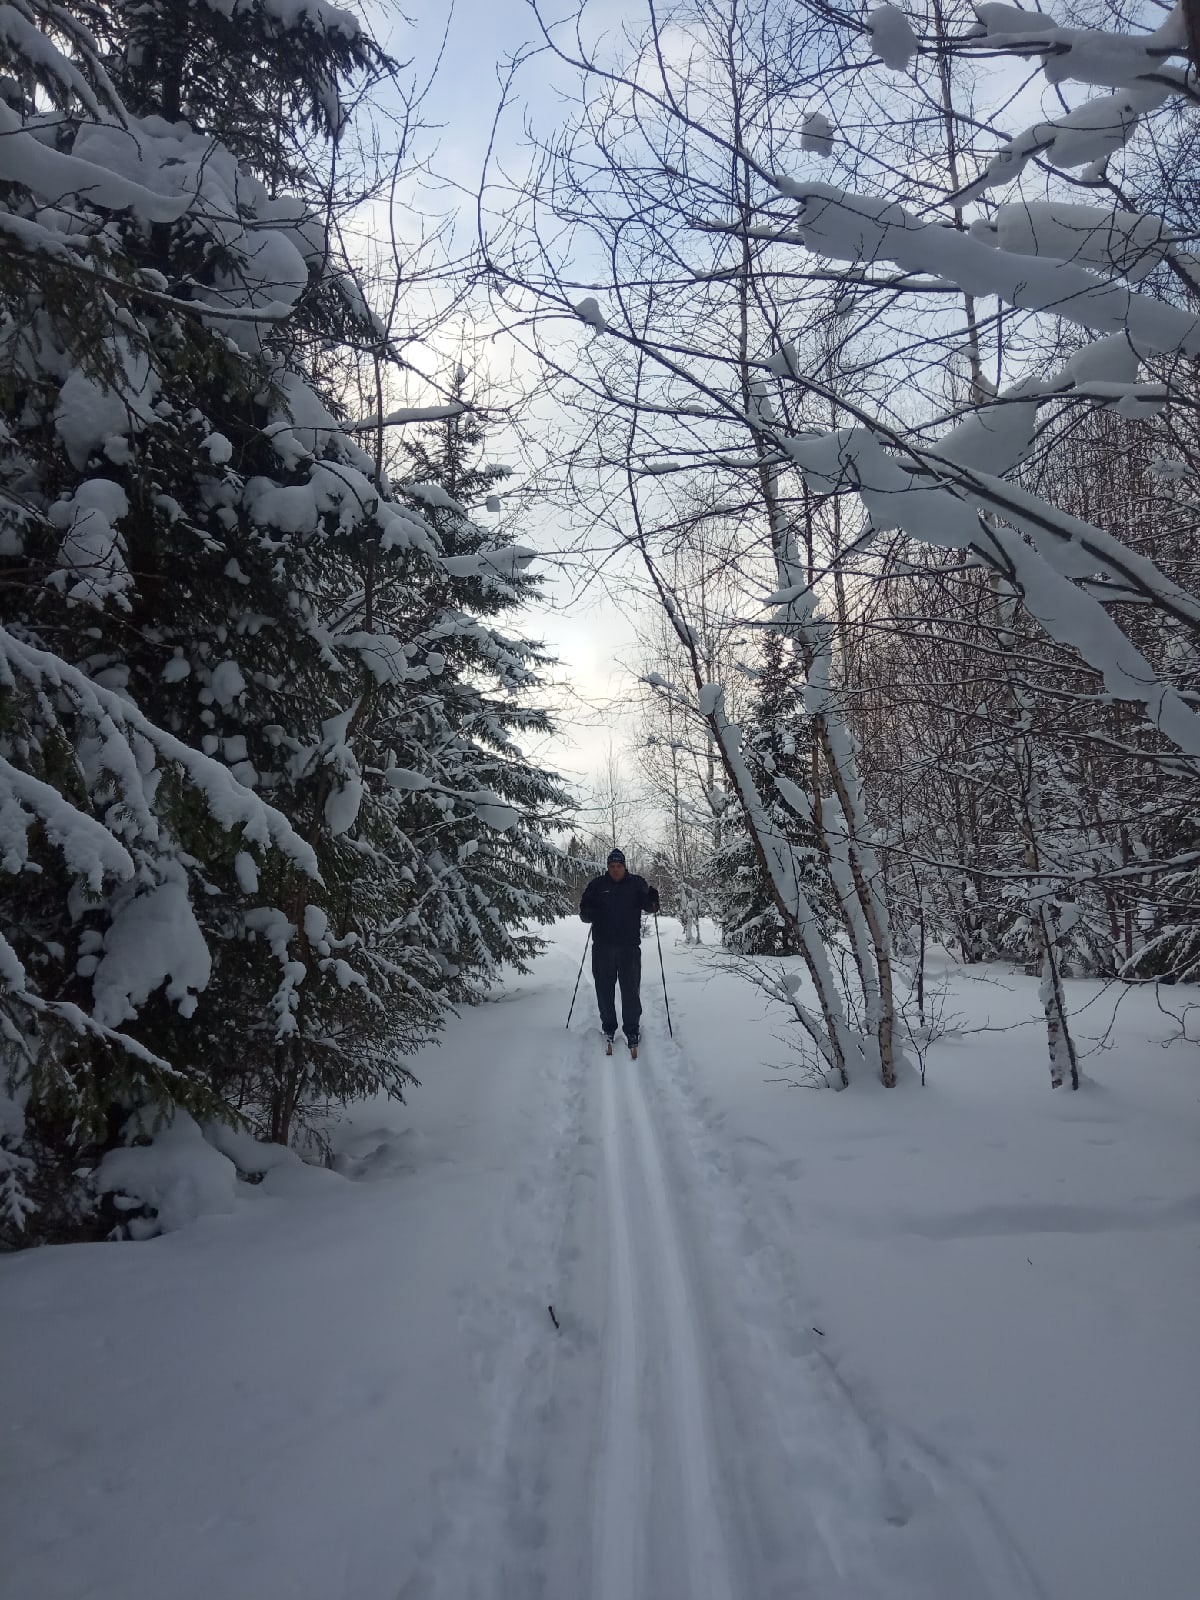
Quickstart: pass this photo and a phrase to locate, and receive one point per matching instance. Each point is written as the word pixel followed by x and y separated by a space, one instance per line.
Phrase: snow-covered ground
pixel 932 1344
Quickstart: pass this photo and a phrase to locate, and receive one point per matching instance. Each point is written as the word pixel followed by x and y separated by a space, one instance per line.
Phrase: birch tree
pixel 795 332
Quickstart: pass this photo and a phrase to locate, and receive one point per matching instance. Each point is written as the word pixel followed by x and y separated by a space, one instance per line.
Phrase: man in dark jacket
pixel 613 905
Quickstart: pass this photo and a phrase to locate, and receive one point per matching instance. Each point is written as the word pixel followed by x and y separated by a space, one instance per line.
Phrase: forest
pixel 711 487
pixel 860 345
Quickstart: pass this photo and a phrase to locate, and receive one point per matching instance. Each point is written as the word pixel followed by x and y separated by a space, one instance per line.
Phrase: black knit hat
pixel 617 856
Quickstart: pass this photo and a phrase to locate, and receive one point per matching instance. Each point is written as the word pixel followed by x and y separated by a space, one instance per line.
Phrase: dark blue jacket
pixel 615 909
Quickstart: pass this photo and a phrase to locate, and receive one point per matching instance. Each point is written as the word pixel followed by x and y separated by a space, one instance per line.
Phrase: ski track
pixel 685 1436
pixel 861 1509
pixel 698 1463
pixel 677 1529
pixel 619 1488
pixel 485 1542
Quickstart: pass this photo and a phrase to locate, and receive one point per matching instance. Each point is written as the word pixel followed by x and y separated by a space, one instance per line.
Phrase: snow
pixel 218 448
pixel 342 491
pixel 861 228
pixel 1087 55
pixel 433 495
pixel 892 38
pixel 506 561
pixel 153 940
pixel 298 14
pixel 816 134
pixel 55 176
pixel 405 414
pixel 1061 548
pixel 248 1154
pixel 87 415
pixel 178 1173
pixel 226 683
pixel 1111 360
pixel 316 927
pixel 492 811
pixel 342 805
pixel 996 438
pixel 246 871
pixel 91 557
pixel 1126 242
pixel 588 310
pixel 404 778
pixel 908 1345
pixel 90 852
pixel 1084 137
pixel 709 698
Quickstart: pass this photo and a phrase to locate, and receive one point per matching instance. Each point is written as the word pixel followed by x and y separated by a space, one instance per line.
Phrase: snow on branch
pixel 1128 243
pixel 405 414
pixel 861 228
pixel 505 561
pixel 817 134
pixel 118 723
pixel 54 176
pixel 892 38
pixel 1083 137
pixel 1135 68
pixel 1084 55
pixel 839 1043
pixel 917 491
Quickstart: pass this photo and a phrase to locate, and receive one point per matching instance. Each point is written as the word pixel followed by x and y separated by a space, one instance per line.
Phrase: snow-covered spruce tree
pixel 193 555
pixel 131 290
pixel 491 873
pixel 779 744
pixel 579 865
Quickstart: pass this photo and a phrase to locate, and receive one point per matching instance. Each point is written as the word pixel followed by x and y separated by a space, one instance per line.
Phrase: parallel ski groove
pixel 704 1533
pixel 619 1496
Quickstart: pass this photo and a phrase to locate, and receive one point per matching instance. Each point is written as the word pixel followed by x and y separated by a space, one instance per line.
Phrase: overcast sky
pixel 592 636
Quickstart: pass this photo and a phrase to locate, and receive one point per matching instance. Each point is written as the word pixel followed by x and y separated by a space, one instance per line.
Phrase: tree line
pixel 874 366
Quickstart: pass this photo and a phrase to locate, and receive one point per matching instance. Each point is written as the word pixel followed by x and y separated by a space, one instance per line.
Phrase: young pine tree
pixel 493 871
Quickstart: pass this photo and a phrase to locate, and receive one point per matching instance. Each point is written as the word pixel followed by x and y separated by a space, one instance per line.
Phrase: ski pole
pixel 663 970
pixel 579 974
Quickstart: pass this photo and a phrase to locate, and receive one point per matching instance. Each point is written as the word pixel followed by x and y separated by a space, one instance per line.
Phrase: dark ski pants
pixel 611 962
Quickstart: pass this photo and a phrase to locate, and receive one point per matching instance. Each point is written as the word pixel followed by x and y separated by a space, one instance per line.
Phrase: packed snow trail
pixel 652 1311
pixel 620 1488
pixel 808 1346
pixel 684 1441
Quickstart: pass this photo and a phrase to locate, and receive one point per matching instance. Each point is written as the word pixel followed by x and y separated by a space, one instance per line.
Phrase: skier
pixel 613 904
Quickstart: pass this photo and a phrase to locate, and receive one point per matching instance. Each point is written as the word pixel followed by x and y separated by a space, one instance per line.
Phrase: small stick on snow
pixel 553 1318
